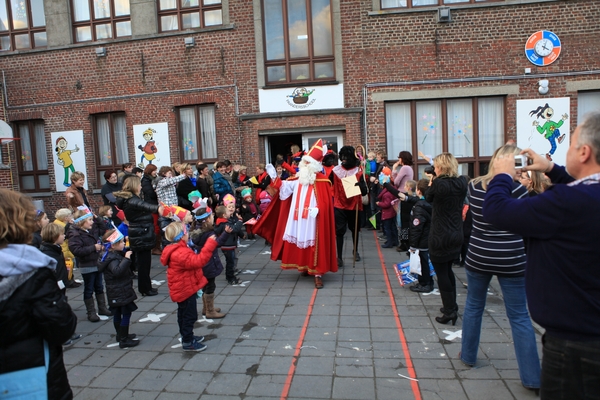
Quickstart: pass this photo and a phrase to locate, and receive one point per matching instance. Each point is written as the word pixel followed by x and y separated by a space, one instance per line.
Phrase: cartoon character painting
pixel 149 149
pixel 549 129
pixel 63 158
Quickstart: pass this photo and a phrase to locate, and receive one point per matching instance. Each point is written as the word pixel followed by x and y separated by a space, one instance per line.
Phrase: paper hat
pixel 386 171
pixel 207 212
pixel 115 237
pixel 178 213
pixel 194 197
pixel 317 151
pixel 228 199
pixel 246 193
pixel 88 214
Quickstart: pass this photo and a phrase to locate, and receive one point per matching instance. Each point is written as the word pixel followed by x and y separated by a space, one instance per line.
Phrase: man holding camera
pixel 562 276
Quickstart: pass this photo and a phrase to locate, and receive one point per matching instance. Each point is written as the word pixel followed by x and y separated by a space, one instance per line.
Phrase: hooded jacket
pixel 118 277
pixel 55 251
pixel 33 309
pixel 420 223
pixel 236 225
pixel 141 222
pixel 214 266
pixel 82 244
pixel 184 268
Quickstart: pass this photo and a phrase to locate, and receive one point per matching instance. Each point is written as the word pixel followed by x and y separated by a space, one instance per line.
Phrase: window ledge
pixel 38 194
pixel 406 10
pixel 4 166
pixel 297 84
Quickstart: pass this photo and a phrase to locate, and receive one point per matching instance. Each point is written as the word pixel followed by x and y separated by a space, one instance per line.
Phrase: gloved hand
pixel 313 212
pixel 271 171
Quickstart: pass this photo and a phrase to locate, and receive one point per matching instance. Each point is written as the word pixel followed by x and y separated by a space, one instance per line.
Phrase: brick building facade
pixel 385 74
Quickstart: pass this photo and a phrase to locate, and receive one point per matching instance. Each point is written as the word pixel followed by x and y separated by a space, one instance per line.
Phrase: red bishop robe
pixel 318 259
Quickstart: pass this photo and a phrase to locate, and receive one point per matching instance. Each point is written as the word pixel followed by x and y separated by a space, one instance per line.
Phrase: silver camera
pixel 520 161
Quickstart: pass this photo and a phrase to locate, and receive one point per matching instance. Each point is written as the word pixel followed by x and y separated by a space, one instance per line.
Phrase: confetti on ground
pixel 152 318
pixel 250 271
pixel 157 283
pixel 266 252
pixel 406 377
pixel 453 335
pixel 434 292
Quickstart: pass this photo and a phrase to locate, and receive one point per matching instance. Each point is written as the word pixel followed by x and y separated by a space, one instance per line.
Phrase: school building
pixel 90 84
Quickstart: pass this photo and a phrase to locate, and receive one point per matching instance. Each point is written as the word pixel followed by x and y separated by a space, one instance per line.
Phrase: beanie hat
pixel 228 199
pixel 246 193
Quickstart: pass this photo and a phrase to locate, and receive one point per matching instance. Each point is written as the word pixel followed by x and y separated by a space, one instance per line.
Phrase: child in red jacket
pixel 185 279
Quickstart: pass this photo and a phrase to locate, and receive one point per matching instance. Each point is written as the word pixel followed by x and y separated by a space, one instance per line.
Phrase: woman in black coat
pixel 141 230
pixel 148 183
pixel 112 185
pixel 446 194
pixel 32 307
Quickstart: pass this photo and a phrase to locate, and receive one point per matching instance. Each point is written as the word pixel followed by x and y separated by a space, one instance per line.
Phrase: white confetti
pixel 157 283
pixel 406 377
pixel 266 252
pixel 153 318
pixel 453 335
pixel 250 271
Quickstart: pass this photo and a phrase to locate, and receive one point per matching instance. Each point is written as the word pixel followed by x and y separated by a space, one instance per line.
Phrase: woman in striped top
pixel 501 253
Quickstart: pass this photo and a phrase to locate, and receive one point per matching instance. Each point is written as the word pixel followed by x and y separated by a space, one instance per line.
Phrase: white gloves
pixel 271 171
pixel 313 212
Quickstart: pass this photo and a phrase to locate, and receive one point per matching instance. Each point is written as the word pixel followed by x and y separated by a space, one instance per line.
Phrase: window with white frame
pixel 469 128
pixel 95 20
pixel 110 136
pixel 32 155
pixel 22 25
pixel 197 133
pixel 586 103
pixel 385 4
pixel 179 15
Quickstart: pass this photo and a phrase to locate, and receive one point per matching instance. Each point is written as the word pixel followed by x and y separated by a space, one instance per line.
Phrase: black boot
pixel 125 341
pixel 339 243
pixel 102 308
pixel 449 302
pixel 117 326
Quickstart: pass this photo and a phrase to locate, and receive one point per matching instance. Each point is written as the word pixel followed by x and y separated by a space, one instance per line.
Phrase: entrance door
pixel 333 140
pixel 281 144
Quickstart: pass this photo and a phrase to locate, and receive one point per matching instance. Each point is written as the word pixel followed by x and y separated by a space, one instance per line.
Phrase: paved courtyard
pixel 362 336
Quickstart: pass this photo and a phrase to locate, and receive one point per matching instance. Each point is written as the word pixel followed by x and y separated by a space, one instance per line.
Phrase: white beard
pixel 308 173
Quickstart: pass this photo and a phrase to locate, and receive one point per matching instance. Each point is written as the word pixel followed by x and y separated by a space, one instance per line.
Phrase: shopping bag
pixel 403 273
pixel 415 262
pixel 26 384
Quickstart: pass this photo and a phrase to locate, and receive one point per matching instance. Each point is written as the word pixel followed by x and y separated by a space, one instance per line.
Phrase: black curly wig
pixel 347 156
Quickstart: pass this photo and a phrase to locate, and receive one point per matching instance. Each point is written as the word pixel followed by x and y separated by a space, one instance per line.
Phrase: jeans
pixel 187 315
pixel 513 291
pixel 92 283
pixel 390 231
pixel 570 369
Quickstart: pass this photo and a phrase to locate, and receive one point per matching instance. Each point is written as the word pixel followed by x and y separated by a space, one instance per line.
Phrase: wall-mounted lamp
pixel 189 42
pixel 444 14
pixel 543 89
pixel 101 52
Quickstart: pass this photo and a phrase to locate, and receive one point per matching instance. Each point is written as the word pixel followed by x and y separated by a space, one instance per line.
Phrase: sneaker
pixel 194 346
pixel 237 271
pixel 76 336
pixel 234 281
pixel 67 343
pixel 198 339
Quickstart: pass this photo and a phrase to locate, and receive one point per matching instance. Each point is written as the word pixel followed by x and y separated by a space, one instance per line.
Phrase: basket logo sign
pixel 300 98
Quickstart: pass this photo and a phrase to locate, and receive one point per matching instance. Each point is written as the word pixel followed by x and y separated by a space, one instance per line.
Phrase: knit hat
pixel 247 193
pixel 194 197
pixel 228 199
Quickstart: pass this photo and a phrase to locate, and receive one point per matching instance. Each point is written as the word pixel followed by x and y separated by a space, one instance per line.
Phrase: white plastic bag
pixel 415 262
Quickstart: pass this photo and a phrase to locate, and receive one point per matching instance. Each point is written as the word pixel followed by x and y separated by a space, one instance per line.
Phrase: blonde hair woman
pixel 495 252
pixel 446 194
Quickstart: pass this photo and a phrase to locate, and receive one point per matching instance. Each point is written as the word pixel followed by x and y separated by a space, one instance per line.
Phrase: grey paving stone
pixel 189 382
pixel 486 389
pixel 266 386
pixel 354 321
pixel 136 394
pixel 96 394
pixel 353 388
pixel 152 380
pixel 274 365
pixel 82 375
pixel 359 367
pixel 228 384
pixel 75 355
pixel 169 361
pixel 178 396
pixel 442 389
pixel 136 359
pixel 115 377
pixel 398 388
pixel 312 387
pixel 315 365
pixel 354 349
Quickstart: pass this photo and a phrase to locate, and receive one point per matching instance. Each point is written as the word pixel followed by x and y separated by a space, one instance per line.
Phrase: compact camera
pixel 520 161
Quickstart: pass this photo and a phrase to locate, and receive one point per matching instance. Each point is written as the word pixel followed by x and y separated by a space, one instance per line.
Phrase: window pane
pixel 300 72
pixel 101 9
pixel 103 132
pixel 189 3
pixel 4 43
pixel 425 2
pixel 40 39
pixel 321 23
pixel 44 181
pixel 214 17
pixel 22 42
pixel 190 20
pixel 455 1
pixel 41 157
pixel 3 17
pixel 209 132
pixel 103 31
pixel 19 14
pixel 84 34
pixel 28 183
pixel 429 128
pixel 398 128
pixel 121 8
pixel 324 70
pixel 276 74
pixel 26 161
pixel 123 28
pixel 587 102
pixel 167 4
pixel 209 2
pixel 297 28
pixel 169 23
pixel 274 44
pixel 189 139
pixel 82 10
pixel 37 13
pixel 393 3
pixel 491 124
pixel 120 135
pixel 460 127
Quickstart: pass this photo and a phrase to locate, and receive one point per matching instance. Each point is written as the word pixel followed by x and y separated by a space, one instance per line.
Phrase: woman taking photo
pixel 141 230
pixel 446 194
pixel 494 252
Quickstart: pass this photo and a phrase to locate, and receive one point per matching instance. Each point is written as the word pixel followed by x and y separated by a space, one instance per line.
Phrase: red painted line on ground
pixel 292 370
pixel 409 365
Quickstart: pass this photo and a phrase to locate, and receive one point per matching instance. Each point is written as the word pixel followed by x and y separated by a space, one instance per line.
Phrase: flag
pixel 253 180
pixel 373 220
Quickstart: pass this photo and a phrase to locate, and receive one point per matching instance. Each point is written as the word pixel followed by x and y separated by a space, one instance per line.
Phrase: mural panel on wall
pixel 68 156
pixel 151 143
pixel 544 126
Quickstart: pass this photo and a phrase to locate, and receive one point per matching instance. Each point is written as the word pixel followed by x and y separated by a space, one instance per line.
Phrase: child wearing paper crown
pixel 388 215
pixel 225 219
pixel 203 229
pixel 249 210
pixel 116 267
pixel 185 278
